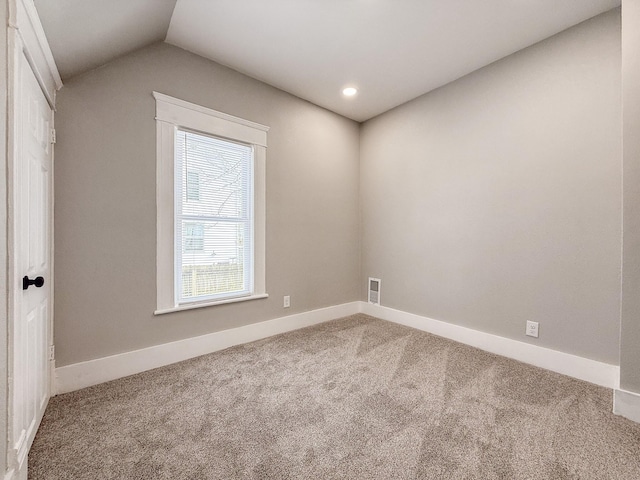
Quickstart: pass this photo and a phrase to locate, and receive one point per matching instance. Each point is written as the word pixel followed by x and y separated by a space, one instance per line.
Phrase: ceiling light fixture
pixel 349 91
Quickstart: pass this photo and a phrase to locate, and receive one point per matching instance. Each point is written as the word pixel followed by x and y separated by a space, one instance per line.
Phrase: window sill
pixel 191 306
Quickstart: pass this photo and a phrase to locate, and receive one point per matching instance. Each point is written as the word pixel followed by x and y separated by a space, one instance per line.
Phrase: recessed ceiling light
pixel 349 91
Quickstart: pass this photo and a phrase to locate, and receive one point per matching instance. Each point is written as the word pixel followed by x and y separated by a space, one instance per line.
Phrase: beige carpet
pixel 356 398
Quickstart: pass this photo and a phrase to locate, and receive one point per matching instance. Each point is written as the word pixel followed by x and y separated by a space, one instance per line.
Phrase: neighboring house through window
pixel 193 237
pixel 193 186
pixel 211 206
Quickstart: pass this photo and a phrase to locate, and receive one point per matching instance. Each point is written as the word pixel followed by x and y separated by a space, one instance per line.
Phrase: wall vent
pixel 374 290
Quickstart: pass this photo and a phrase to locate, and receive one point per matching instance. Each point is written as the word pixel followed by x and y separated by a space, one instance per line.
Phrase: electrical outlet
pixel 287 301
pixel 532 329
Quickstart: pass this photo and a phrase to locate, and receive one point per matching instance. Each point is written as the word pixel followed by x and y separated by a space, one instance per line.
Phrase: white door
pixel 32 188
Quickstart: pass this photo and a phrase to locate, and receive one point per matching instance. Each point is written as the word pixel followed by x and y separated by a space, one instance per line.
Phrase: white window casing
pixel 173 116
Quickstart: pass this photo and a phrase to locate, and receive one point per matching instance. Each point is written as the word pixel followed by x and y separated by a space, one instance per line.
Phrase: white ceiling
pixel 84 34
pixel 391 50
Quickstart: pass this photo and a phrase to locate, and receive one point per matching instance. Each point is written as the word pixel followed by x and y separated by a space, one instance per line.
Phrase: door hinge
pixel 52 353
pixel 53 135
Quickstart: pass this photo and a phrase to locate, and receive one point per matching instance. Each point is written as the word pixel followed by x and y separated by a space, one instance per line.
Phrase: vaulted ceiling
pixel 390 50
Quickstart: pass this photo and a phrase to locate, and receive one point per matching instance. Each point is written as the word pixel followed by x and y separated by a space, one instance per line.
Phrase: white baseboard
pixel 581 368
pixel 10 475
pixel 85 374
pixel 14 474
pixel 626 404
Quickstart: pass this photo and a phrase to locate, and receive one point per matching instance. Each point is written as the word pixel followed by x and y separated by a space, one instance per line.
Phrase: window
pixel 218 264
pixel 193 186
pixel 210 206
pixel 193 237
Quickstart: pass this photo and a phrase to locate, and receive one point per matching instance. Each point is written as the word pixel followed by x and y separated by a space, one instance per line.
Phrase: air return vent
pixel 374 290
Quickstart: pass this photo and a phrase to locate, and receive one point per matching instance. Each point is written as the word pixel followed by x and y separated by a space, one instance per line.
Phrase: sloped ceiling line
pixel 392 51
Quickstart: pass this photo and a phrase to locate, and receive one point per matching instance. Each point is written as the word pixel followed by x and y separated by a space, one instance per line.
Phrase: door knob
pixel 26 282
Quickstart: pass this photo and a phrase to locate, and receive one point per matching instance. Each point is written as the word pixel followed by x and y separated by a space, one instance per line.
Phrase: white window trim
pixel 172 113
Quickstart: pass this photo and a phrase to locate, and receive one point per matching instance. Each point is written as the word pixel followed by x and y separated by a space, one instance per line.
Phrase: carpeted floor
pixel 356 398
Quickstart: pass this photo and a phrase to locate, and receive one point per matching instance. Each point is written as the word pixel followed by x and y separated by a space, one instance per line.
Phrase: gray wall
pixel 630 338
pixel 497 198
pixel 105 212
pixel 488 202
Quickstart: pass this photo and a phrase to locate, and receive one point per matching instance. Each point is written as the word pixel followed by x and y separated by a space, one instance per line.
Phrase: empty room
pixel 320 239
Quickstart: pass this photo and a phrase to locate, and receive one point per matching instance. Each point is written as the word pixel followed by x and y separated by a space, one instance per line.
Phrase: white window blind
pixel 213 217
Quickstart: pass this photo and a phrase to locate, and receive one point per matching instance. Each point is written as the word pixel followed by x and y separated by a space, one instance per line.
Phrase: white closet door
pixel 33 212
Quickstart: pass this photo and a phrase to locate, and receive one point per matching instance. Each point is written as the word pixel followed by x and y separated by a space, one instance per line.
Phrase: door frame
pixel 25 36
